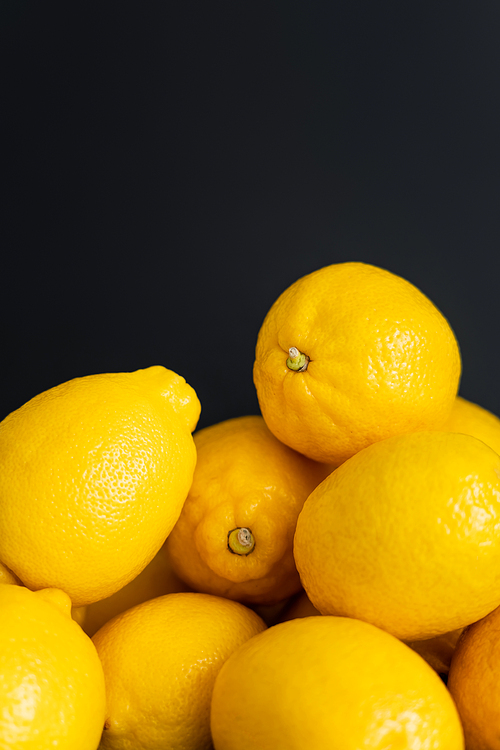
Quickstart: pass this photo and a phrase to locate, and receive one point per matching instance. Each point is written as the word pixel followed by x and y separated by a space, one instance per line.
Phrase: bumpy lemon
pixel 157 579
pixel 474 684
pixel 93 475
pixel 352 354
pixel 160 662
pixel 473 419
pixel 234 536
pixel 330 682
pixel 51 680
pixel 405 535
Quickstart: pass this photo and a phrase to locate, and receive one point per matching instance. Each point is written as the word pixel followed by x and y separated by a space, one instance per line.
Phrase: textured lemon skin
pixel 405 535
pixel 383 360
pixel 244 478
pixel 160 661
pixel 330 682
pixel 472 419
pixel 93 474
pixel 51 680
pixel 473 682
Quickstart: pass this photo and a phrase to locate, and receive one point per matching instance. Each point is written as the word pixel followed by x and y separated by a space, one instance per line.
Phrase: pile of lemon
pixel 323 575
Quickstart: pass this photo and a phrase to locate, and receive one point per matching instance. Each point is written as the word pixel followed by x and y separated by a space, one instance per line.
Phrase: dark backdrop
pixel 169 169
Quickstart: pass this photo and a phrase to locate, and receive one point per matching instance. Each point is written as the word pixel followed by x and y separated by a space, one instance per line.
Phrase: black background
pixel 169 169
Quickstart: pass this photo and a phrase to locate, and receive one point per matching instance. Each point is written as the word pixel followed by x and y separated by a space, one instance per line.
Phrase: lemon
pixel 93 475
pixel 405 535
pixel 51 680
pixel 234 535
pixel 160 660
pixel 330 682
pixel 351 354
pixel 473 682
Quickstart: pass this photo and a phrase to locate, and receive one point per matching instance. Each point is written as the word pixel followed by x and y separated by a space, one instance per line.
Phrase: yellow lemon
pixel 156 579
pixel 405 535
pixel 234 536
pixel 330 682
pixel 351 354
pixel 474 684
pixel 51 680
pixel 93 474
pixel 160 661
pixel 472 419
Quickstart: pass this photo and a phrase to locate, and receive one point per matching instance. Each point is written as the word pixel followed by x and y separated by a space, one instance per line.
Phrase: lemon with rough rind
pixel 234 536
pixel 351 354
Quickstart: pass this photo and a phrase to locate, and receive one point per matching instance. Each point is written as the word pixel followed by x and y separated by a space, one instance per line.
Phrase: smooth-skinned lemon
pixel 160 660
pixel 93 475
pixel 330 682
pixel 351 354
pixel 406 535
pixel 234 536
pixel 52 691
pixel 474 683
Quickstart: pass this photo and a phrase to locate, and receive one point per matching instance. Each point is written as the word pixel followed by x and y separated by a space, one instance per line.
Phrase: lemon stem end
pixel 296 360
pixel 240 541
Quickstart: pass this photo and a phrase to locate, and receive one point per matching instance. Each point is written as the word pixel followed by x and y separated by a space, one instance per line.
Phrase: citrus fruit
pixel 93 474
pixel 405 535
pixel 156 579
pixel 472 419
pixel 330 682
pixel 234 535
pixel 160 660
pixel 474 682
pixel 51 680
pixel 351 354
